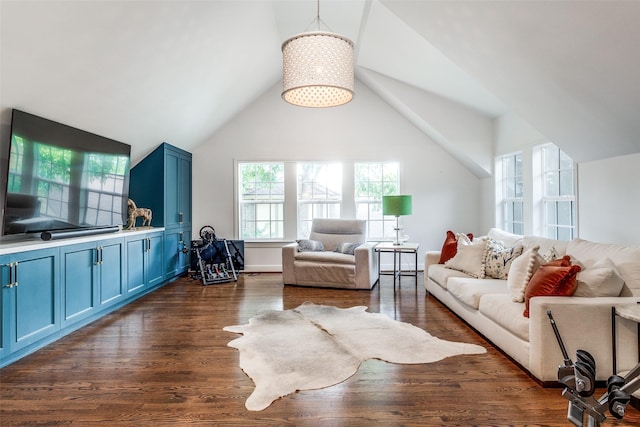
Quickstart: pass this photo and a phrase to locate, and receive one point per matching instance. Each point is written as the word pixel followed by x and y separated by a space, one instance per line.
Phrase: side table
pixel 630 312
pixel 398 250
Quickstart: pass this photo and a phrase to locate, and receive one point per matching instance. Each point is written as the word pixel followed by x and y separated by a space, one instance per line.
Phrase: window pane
pixel 565 233
pixel 551 183
pixel 566 183
pixel 517 212
pixel 262 182
pixel 372 181
pixel 565 213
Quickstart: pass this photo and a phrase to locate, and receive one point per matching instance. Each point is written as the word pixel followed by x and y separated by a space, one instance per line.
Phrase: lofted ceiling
pixel 144 72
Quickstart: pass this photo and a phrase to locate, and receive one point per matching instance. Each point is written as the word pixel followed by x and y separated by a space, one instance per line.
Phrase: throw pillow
pixel 551 280
pixel 450 245
pixel 600 280
pixel 306 245
pixel 499 259
pixel 521 271
pixel 469 258
pixel 565 261
pixel 347 248
pixel 550 254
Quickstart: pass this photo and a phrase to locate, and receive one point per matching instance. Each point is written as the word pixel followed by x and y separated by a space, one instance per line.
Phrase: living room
pixel 561 73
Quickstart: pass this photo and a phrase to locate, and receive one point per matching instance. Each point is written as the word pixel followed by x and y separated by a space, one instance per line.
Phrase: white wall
pixel 446 195
pixel 609 200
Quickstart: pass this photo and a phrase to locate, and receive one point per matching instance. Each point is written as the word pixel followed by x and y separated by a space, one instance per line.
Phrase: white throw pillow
pixel 600 280
pixel 470 257
pixel 522 268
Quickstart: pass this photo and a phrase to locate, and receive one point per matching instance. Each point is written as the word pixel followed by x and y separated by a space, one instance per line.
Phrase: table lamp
pixel 396 206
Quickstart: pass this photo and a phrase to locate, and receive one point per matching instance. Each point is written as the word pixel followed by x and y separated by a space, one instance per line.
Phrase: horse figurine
pixel 135 212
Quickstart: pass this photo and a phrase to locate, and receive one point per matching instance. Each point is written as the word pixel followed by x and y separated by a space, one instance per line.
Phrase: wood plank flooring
pixel 164 360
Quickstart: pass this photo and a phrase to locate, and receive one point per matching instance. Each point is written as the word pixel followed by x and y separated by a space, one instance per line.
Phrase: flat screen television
pixel 63 181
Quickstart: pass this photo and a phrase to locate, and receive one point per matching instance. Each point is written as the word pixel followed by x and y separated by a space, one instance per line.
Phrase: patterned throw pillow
pixel 498 259
pixel 305 245
pixel 347 248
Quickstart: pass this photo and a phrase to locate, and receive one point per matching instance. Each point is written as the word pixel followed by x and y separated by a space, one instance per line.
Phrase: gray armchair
pixel 328 268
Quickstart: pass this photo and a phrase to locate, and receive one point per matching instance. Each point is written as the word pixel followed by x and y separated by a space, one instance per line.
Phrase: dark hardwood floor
pixel 164 360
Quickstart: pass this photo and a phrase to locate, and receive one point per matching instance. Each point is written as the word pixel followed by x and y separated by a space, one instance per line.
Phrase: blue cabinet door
pixel 135 271
pixel 154 261
pixel 172 189
pixel 111 272
pixel 176 249
pixel 144 262
pixel 33 296
pixel 79 282
pixel 4 325
pixel 184 191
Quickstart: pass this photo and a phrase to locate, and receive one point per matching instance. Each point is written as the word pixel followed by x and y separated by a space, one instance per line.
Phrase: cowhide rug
pixel 316 346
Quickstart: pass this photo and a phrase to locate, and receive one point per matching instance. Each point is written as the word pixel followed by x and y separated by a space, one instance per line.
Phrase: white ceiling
pixel 144 72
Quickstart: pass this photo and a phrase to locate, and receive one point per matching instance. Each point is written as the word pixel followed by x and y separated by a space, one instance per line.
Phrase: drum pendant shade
pixel 318 70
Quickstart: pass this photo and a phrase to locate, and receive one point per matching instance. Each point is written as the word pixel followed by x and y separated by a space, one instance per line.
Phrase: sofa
pixel 334 256
pixel 606 275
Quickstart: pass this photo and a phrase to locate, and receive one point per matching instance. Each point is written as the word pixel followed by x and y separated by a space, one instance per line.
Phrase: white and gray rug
pixel 316 346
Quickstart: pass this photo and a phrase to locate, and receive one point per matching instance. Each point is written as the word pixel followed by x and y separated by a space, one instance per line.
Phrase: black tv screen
pixel 63 178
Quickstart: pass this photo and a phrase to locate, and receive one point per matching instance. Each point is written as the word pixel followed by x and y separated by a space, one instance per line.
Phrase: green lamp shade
pixel 396 205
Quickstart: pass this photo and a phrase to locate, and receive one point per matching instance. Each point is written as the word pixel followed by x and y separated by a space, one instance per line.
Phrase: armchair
pixel 328 268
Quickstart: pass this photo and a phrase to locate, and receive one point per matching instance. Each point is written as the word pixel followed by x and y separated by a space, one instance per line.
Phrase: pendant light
pixel 317 68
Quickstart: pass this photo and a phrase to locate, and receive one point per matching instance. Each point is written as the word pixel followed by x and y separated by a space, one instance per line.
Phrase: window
pixel 319 193
pixel 372 181
pixel 558 193
pixel 261 200
pixel 512 194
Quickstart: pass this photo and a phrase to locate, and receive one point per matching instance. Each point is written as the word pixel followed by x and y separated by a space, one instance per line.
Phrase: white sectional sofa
pixel 487 305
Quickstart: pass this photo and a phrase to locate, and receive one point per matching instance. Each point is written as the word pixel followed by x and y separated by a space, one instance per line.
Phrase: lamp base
pixel 397 229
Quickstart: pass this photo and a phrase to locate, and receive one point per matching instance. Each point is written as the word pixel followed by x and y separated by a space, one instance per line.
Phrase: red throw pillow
pixel 551 280
pixel 450 246
pixel 565 261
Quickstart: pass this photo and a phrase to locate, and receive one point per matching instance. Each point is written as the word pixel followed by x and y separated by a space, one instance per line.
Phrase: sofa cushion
pixel 626 259
pixel 498 258
pixel 506 313
pixel 470 257
pixel 551 280
pixel 470 290
pixel 507 239
pixel 547 246
pixel 441 275
pixel 521 271
pixel 600 280
pixel 326 257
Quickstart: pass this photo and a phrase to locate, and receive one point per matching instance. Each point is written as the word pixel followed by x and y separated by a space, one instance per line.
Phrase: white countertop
pixel 11 245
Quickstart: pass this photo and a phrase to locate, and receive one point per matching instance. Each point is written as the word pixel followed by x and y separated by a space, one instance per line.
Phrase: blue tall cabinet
pixel 162 182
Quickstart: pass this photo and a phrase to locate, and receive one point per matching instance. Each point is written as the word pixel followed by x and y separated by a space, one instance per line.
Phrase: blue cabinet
pixel 30 297
pixel 162 182
pixel 176 251
pixel 145 268
pixel 57 287
pixel 92 278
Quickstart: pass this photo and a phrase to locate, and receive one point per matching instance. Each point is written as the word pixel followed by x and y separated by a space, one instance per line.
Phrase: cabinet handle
pixel 148 244
pixel 15 274
pixel 97 261
pixel 100 249
pixel 180 217
pixel 12 275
